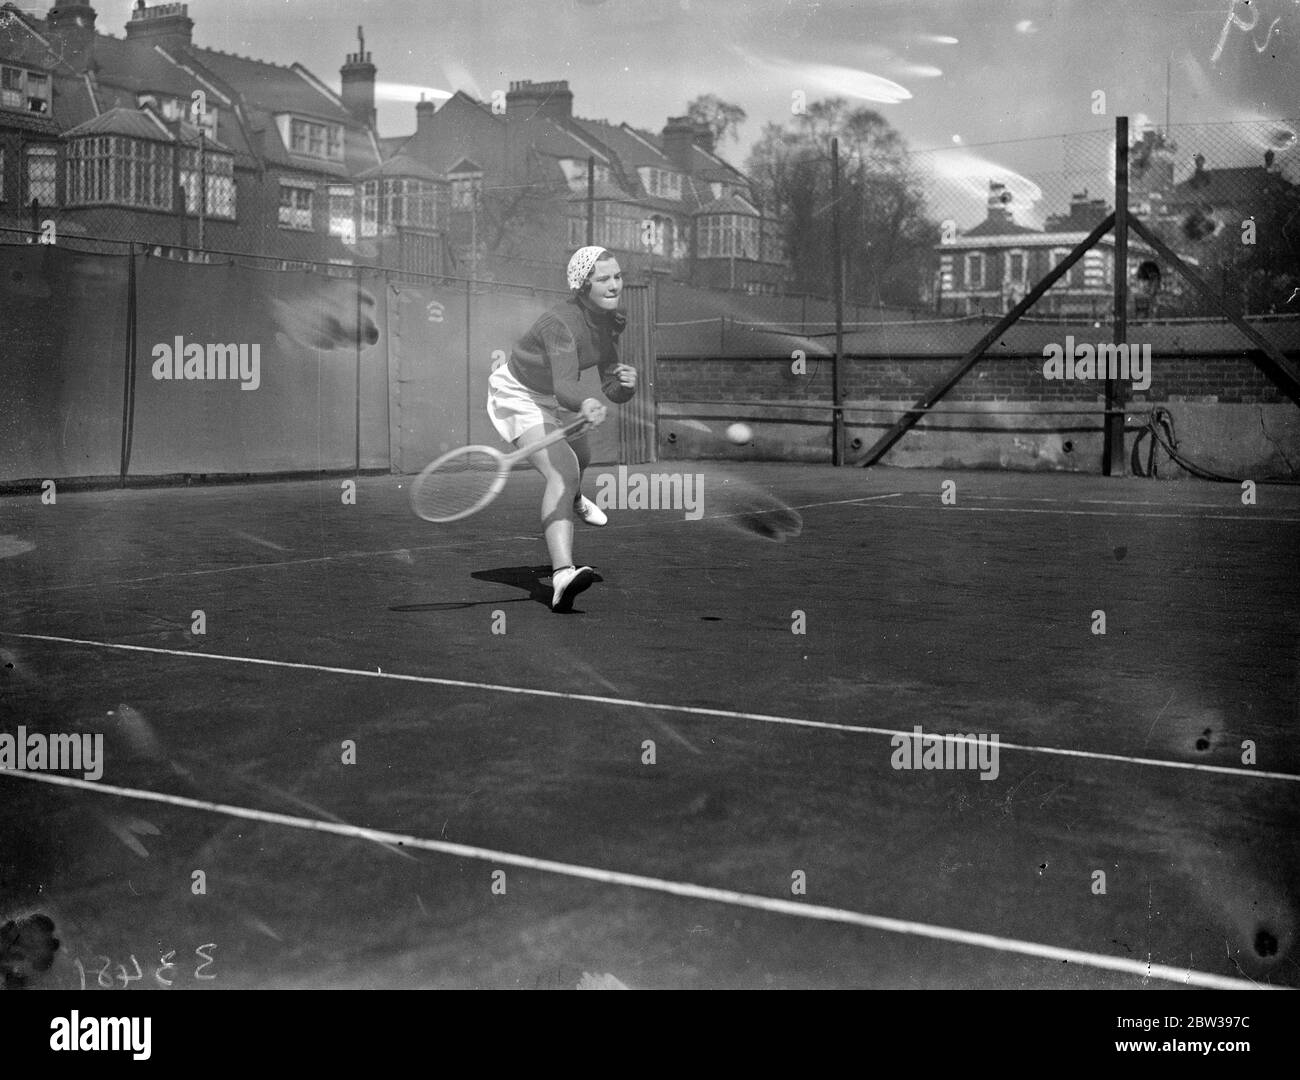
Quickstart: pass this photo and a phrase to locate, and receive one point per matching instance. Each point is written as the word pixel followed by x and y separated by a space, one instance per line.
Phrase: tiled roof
pixel 728 204
pixel 22 40
pixel 138 66
pixel 136 123
pixel 994 227
pixel 632 149
pixel 605 191
pixel 552 137
pixel 401 165
pixel 142 124
pixel 439 149
pixel 1232 186
pixel 28 121
pixel 272 87
pixel 709 166
pixel 77 98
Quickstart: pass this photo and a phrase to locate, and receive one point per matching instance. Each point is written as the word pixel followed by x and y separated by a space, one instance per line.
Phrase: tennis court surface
pixel 503 825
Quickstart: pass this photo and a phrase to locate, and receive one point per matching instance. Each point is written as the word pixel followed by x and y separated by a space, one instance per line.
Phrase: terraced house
pixel 530 181
pixel 116 138
pixel 153 139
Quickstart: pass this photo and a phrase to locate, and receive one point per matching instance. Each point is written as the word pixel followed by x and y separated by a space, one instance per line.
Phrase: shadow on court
pixel 727 725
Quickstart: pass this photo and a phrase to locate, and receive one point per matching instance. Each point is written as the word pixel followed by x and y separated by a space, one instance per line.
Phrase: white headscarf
pixel 580 265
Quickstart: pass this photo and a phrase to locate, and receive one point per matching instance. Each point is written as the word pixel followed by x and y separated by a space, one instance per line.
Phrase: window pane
pixel 295 207
pixel 42 170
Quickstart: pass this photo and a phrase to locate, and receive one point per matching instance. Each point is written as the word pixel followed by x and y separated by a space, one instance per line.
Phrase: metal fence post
pixel 837 392
pixel 469 365
pixel 1112 463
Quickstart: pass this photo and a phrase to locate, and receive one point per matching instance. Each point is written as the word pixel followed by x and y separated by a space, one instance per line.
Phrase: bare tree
pixel 886 236
pixel 721 117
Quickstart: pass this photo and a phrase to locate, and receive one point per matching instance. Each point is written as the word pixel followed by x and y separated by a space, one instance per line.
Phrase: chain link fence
pixel 1224 197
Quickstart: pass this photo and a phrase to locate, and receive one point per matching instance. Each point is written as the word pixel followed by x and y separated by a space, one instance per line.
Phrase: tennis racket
pixel 463 481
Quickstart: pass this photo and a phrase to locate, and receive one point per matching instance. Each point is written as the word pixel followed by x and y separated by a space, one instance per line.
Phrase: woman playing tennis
pixel 529 391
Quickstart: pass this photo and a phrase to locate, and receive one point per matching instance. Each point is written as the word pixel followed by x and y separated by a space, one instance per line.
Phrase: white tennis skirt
pixel 513 408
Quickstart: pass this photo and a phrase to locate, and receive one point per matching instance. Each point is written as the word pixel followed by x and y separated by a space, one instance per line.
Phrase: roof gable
pixel 401 166
pixel 729 204
pixel 21 41
pixel 136 123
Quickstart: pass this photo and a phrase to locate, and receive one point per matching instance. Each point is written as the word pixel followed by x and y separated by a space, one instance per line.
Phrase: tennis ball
pixel 740 434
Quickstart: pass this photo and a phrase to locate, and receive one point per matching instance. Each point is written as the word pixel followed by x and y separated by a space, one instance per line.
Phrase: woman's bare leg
pixel 558 464
pixel 582 451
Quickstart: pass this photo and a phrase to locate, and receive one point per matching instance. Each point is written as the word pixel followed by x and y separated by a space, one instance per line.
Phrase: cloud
pixel 923 71
pixel 844 81
pixel 1026 26
pixel 408 92
pixel 961 180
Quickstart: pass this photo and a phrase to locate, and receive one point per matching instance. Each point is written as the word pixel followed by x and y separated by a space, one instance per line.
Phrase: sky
pixel 949 74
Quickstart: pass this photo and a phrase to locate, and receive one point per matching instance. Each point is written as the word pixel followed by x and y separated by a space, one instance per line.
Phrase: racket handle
pixel 559 435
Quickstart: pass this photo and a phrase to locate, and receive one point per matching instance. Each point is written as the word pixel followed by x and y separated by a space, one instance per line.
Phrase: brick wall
pixel 1226 378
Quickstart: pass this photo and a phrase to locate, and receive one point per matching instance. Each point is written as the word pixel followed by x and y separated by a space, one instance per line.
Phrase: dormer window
pixel 310 138
pixel 25 90
pixel 466 190
pixel 575 173
pixel 663 183
pixel 174 108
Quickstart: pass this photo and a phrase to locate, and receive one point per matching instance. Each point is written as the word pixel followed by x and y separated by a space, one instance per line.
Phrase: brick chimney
pixel 423 115
pixel 678 138
pixel 999 199
pixel 162 24
pixel 73 23
pixel 358 78
pixel 553 99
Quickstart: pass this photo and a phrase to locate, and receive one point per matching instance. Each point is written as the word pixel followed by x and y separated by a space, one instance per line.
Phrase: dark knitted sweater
pixel 568 339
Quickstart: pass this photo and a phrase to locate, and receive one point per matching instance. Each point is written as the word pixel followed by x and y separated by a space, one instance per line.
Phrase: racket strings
pixel 456 487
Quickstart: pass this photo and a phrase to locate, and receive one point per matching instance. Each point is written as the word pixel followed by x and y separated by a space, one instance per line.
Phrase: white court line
pixel 1087 513
pixel 395 551
pixel 631 703
pixel 1097 502
pixel 258 540
pixel 948 934
pixel 250 566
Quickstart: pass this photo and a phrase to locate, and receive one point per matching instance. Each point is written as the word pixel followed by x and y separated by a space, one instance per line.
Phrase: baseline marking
pixel 451 542
pixel 951 935
pixel 1084 513
pixel 631 703
pixel 272 565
